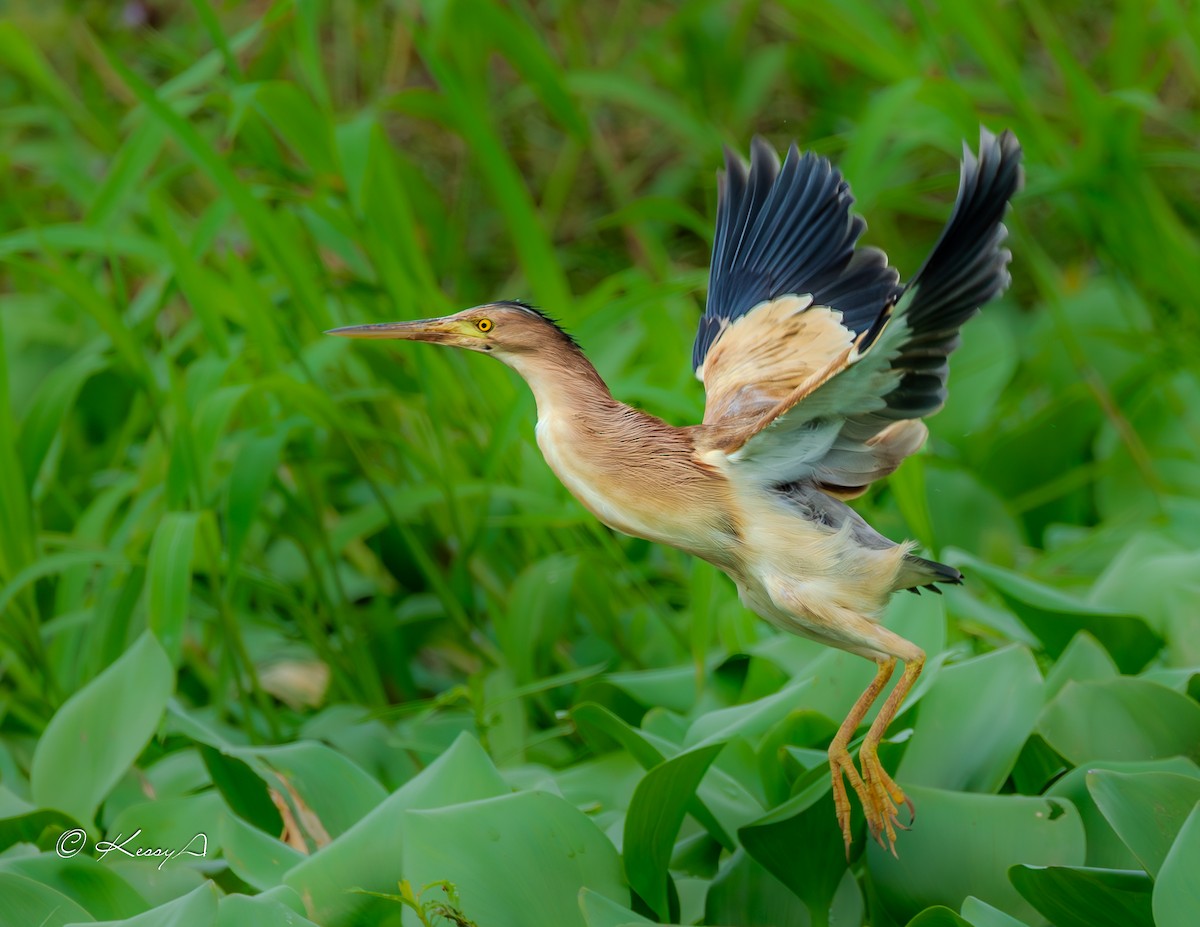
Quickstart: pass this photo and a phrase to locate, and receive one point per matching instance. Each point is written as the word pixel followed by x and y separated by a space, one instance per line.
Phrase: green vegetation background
pixel 324 603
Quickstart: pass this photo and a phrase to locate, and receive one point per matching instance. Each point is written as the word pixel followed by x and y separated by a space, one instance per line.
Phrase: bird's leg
pixel 886 795
pixel 840 761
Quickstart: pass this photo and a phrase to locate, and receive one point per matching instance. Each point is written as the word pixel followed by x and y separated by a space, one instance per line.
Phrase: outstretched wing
pixel 784 254
pixel 854 419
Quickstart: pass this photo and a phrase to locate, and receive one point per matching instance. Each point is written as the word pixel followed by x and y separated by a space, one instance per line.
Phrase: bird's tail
pixel 917 573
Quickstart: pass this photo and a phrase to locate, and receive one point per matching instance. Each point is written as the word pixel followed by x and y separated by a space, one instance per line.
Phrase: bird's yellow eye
pixel 484 325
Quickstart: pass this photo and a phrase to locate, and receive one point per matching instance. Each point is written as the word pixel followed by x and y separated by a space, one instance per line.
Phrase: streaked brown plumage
pixel 818 367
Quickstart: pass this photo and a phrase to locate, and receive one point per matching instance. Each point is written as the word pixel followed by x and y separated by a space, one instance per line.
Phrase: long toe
pixel 885 797
pixel 841 764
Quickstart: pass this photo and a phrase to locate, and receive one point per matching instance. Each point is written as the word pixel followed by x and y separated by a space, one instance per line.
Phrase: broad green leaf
pixel 672 687
pixel 94 887
pixel 1084 659
pixel 800 844
pixel 198 908
pixel 279 907
pixel 368 855
pixel 1106 850
pixel 1077 897
pixel 244 787
pixel 1160 580
pixel 321 782
pixel 29 902
pixel 100 730
pixel 960 747
pixel 649 754
pixel 1121 719
pixel 746 893
pixel 169 580
pixel 938 916
pixel 601 911
pixel 187 825
pixel 1146 809
pixel 1176 896
pixel 963 844
pixel 653 820
pixel 1056 618
pixel 531 855
pixel 256 857
pixel 981 914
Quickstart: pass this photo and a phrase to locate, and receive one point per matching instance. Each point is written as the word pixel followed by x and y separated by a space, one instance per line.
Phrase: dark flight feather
pixel 789 231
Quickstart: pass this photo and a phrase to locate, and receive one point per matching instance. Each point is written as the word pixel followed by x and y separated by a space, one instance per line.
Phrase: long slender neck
pixel 562 379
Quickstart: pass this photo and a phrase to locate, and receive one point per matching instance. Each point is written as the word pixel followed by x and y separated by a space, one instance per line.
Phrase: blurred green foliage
pixel 324 603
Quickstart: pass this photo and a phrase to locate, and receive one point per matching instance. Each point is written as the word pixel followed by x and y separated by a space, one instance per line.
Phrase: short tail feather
pixel 917 573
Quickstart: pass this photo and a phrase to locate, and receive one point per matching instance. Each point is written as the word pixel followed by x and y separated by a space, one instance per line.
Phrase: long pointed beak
pixel 434 330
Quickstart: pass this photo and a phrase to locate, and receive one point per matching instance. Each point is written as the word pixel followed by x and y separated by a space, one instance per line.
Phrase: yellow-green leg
pixel 885 795
pixel 840 761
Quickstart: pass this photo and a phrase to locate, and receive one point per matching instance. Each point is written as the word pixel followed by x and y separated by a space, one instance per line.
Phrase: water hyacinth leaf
pixel 100 730
pixel 938 916
pixel 159 886
pixel 1146 809
pixel 601 911
pixel 1076 897
pixel 92 885
pixel 800 844
pixel 1157 578
pixel 1056 618
pixel 746 893
pixel 368 855
pixel 280 907
pixel 531 855
pixel 30 902
pixel 1084 659
pixel 34 826
pixel 1176 896
pixel 594 719
pixel 954 746
pixel 256 857
pixel 963 844
pixel 198 908
pixel 243 787
pixel 187 825
pixel 981 914
pixel 1121 719
pixel 331 786
pixel 652 823
pixel 1106 850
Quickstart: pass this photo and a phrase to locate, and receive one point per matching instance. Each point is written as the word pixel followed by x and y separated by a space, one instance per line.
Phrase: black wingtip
pixel 968 266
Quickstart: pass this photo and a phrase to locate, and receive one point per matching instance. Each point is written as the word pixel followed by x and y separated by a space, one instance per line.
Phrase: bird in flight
pixel 818 367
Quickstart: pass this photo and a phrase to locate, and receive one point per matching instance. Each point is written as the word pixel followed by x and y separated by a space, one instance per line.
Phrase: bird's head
pixel 505 329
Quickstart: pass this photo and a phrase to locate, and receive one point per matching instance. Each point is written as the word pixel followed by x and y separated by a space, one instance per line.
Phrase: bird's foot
pixel 842 764
pixel 882 800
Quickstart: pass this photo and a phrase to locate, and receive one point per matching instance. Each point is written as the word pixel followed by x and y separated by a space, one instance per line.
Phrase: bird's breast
pixel 640 481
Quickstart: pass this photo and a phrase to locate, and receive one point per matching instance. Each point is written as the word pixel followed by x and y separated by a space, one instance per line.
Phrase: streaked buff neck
pixel 563 381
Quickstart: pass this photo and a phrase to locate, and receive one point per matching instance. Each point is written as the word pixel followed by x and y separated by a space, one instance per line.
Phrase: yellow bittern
pixel 818 366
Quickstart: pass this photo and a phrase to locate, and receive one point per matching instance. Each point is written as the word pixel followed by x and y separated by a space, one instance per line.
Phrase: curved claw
pixel 886 797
